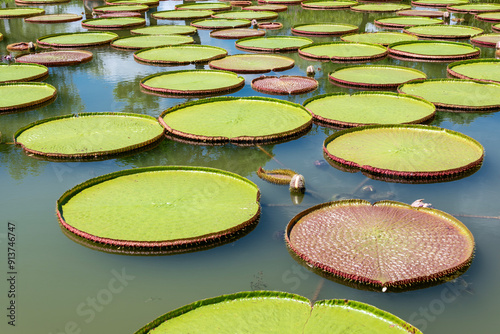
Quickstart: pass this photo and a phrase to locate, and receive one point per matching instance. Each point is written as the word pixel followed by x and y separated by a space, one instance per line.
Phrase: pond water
pixel 64 287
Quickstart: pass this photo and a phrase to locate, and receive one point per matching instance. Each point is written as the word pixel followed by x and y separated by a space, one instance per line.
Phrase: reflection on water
pixel 63 284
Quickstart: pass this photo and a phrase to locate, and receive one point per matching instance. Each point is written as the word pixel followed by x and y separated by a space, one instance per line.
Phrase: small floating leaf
pixel 278 176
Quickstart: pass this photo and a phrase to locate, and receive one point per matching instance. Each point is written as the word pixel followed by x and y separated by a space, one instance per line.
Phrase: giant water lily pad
pixel 433 50
pixel 272 43
pixel 169 206
pixel 405 153
pixel 286 2
pixel 327 4
pixel 273 8
pixel 150 3
pixel 456 94
pixel 253 63
pixel 380 7
pixel 193 82
pixel 385 244
pixel 375 76
pixel 284 85
pixel 164 30
pixel 424 13
pixel 114 23
pixel 19 95
pixel 324 29
pixel 486 40
pixel 406 21
pixel 487 69
pixel 344 110
pixel 276 312
pixel 22 72
pixel 221 23
pixel 149 41
pixel 121 8
pixel 490 17
pixel 40 2
pixel 53 18
pixel 236 33
pixel 343 51
pixel 182 14
pixel 241 120
pixel 215 6
pixel 247 15
pixel 7 13
pixel 380 37
pixel 496 28
pixel 77 39
pixel 56 58
pixel 438 3
pixel 88 135
pixel 180 54
pixel 444 31
pixel 475 8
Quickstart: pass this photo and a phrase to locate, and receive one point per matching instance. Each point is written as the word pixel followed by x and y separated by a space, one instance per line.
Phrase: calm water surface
pixel 64 287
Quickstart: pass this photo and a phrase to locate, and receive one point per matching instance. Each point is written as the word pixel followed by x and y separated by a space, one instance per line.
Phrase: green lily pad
pixel 253 63
pixel 121 8
pixel 180 54
pixel 380 37
pixel 328 29
pixel 182 14
pixel 149 41
pixel 215 6
pixel 496 27
pixel 424 13
pixel 375 76
pixel 7 13
pixel 456 94
pixel 53 18
pixel 244 120
pixel 56 58
pixel 236 33
pixel 276 176
pixel 276 312
pixel 247 15
pixel 272 43
pixel 150 3
pixel 343 51
pixel 328 4
pixel 286 2
pixel 438 3
pixel 269 7
pixel 486 69
pixel 221 23
pixel 19 95
pixel 433 50
pixel 164 30
pixel 490 17
pixel 89 135
pixel 406 21
pixel 475 8
pixel 344 110
pixel 22 72
pixel 405 153
pixel 443 31
pixel 380 7
pixel 168 206
pixel 487 40
pixel 79 39
pixel 380 244
pixel 193 82
pixel 114 22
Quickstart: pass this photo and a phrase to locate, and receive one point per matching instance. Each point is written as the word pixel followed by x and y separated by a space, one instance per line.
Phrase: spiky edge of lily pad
pixel 324 57
pixel 421 280
pixel 157 15
pixel 180 62
pixel 245 24
pixel 40 76
pixel 192 92
pixel 455 107
pixel 453 9
pixel 416 56
pixel 64 62
pixel 241 140
pixel 112 35
pixel 219 7
pixel 151 141
pixel 32 103
pixel 254 71
pixel 433 36
pixel 370 85
pixel 267 175
pixel 139 22
pixel 401 7
pixel 450 70
pixel 296 29
pixel 308 85
pixel 271 49
pixel 39 18
pixel 195 242
pixel 339 124
pixel 306 5
pixel 412 177
pixel 107 9
pixel 220 34
pixel 38 11
pixel 400 25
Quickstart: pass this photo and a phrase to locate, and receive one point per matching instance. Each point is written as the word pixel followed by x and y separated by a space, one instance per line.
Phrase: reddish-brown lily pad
pixel 56 58
pixel 236 33
pixel 53 18
pixel 284 85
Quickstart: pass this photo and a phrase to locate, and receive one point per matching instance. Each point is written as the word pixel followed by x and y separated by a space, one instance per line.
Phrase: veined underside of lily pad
pixel 237 120
pixel 486 69
pixel 56 58
pixel 169 207
pixel 405 153
pixel 89 135
pixel 284 85
pixel 386 244
pixel 276 312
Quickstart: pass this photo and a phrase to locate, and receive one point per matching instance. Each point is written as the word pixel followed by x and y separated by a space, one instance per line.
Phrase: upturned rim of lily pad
pixel 473 52
pixel 110 23
pixel 246 15
pixel 111 36
pixel 474 8
pixel 181 61
pixel 453 72
pixel 439 35
pixel 225 64
pixel 272 84
pixel 215 6
pixel 27 66
pixel 27 105
pixel 50 18
pixel 376 227
pixel 236 33
pixel 316 4
pixel 358 84
pixel 408 37
pixel 483 40
pixel 409 176
pixel 438 3
pixel 221 23
pixel 90 154
pixel 79 57
pixel 186 243
pixel 240 44
pixel 379 7
pixel 494 17
pixel 269 7
pixel 373 56
pixel 163 40
pixel 182 15
pixel 387 23
pixel 350 28
pixel 121 8
pixel 21 12
pixel 360 311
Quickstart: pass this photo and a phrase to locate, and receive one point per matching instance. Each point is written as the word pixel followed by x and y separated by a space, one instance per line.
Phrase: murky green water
pixel 63 287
